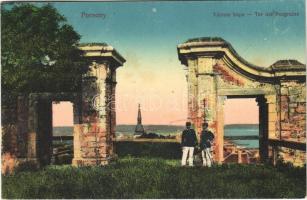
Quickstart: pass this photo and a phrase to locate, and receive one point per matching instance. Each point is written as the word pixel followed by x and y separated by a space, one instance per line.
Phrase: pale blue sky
pixel 147 33
pixel 153 29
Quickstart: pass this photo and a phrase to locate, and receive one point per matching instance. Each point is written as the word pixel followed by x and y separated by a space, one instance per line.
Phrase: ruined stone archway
pixel 216 71
pixel 29 128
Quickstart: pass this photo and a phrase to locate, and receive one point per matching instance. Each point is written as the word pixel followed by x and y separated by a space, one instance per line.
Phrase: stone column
pixel 273 123
pixel 91 134
pixel 77 108
pixel 263 128
pixel 207 95
pixel 192 92
pixel 44 130
pixel 22 125
pixel 203 105
pixel 32 129
pixel 94 132
pixel 110 108
pixel 219 134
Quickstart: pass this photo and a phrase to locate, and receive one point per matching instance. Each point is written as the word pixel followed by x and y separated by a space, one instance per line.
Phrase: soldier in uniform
pixel 206 139
pixel 188 142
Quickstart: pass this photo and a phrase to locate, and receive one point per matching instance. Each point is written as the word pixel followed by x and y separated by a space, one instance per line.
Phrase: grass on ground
pixel 142 177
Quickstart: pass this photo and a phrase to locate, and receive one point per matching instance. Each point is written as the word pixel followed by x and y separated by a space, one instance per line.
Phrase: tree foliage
pixel 39 51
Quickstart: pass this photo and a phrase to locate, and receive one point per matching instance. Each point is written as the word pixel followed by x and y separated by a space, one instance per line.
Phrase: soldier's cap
pixel 205 124
pixel 188 124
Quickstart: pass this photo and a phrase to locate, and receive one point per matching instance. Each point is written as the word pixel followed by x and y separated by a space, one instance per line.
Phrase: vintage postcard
pixel 153 99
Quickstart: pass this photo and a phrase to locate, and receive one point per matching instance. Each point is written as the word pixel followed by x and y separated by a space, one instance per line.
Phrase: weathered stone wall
pixel 293 120
pixel 9 142
pixel 14 126
pixel 296 157
pixel 14 133
pixel 293 111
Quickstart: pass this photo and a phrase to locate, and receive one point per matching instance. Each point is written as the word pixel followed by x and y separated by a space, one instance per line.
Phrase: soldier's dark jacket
pixel 206 138
pixel 188 138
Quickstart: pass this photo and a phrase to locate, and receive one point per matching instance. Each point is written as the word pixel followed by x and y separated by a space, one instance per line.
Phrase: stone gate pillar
pixel 110 112
pixel 264 125
pixel 32 129
pixel 219 136
pixel 210 106
pixel 22 125
pixel 39 129
pixel 207 94
pixel 202 90
pixel 202 101
pixel 93 136
pixel 192 91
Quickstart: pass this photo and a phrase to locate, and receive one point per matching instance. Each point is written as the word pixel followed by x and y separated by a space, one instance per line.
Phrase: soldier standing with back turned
pixel 206 139
pixel 188 142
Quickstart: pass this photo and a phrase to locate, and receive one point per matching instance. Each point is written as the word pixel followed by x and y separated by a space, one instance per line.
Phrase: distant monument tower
pixel 139 129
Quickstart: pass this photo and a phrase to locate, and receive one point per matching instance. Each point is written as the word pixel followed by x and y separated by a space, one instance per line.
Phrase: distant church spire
pixel 139 129
pixel 139 115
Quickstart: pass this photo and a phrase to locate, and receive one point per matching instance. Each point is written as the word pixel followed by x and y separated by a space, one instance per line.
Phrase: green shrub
pixel 27 166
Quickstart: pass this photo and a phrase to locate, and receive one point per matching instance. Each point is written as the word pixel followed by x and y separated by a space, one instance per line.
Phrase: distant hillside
pixel 243 126
pixel 161 129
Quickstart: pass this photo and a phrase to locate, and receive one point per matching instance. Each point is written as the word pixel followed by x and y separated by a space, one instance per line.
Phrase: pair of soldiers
pixel 189 142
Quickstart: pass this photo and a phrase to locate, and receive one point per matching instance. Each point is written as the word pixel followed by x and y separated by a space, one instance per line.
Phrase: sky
pixel 146 34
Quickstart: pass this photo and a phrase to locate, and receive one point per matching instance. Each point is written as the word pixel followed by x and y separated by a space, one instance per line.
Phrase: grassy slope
pixel 152 170
pixel 143 177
